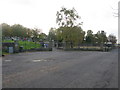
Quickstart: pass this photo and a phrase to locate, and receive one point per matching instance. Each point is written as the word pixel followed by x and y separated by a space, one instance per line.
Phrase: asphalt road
pixel 61 69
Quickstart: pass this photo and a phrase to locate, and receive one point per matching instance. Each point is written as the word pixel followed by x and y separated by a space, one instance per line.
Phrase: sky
pixel 95 14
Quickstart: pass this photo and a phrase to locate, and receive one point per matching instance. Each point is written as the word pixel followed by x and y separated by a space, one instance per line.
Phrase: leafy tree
pixel 42 37
pixel 52 34
pixel 69 30
pixel 70 35
pixel 67 17
pixel 112 38
pixel 35 34
pixel 90 37
pixel 101 37
pixel 28 33
pixel 18 30
pixel 6 30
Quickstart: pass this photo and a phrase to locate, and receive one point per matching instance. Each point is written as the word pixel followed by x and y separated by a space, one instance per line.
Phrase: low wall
pixel 6 45
pixel 39 49
pixel 104 49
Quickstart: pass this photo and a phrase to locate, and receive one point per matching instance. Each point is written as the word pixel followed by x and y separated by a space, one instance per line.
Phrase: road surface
pixel 61 69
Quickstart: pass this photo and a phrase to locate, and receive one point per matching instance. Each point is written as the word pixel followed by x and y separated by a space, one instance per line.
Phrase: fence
pixel 83 46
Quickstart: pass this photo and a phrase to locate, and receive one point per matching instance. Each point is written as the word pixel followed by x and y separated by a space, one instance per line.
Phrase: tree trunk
pixel 71 44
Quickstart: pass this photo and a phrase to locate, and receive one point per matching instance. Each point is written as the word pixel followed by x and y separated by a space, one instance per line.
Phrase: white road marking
pixel 39 60
pixel 8 60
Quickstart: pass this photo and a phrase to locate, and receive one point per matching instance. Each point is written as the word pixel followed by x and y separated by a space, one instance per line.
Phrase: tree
pixel 101 37
pixel 90 37
pixel 71 35
pixel 112 38
pixel 6 30
pixel 22 32
pixel 69 30
pixel 18 31
pixel 67 17
pixel 35 34
pixel 28 33
pixel 42 36
pixel 52 34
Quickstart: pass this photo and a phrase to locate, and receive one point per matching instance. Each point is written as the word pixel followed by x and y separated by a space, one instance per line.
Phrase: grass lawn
pixel 29 45
pixel 7 41
pixel 26 44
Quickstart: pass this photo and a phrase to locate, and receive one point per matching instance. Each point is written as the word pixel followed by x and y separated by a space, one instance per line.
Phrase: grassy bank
pixel 26 44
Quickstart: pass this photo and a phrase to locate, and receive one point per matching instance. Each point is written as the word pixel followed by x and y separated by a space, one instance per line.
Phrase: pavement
pixel 61 69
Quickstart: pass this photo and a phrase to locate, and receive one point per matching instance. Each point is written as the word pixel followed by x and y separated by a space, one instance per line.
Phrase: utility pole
pixel 119 21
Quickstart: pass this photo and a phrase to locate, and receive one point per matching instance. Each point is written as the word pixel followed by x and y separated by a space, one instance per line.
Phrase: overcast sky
pixel 95 14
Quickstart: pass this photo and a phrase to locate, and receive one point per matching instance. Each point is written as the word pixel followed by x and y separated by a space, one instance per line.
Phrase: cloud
pixel 95 14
